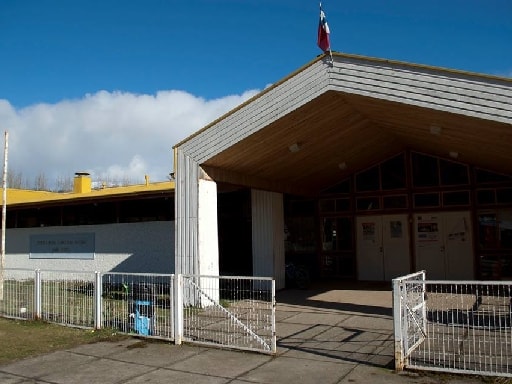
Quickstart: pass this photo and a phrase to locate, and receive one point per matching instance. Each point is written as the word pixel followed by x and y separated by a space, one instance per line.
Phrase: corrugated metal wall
pixel 186 204
pixel 268 235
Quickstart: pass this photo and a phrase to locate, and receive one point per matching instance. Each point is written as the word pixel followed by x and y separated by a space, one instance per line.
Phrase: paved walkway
pixel 326 335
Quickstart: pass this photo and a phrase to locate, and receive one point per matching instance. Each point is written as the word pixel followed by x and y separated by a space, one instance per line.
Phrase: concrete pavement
pixel 325 335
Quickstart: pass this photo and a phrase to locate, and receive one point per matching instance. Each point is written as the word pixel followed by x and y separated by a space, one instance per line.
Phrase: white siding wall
pixel 437 89
pixel 146 247
pixel 268 235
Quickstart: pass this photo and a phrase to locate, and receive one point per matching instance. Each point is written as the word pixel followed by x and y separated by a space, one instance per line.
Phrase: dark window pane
pixel 368 203
pixel 344 233
pixel 485 196
pixel 393 173
pixel 506 234
pixel 368 180
pixel 504 195
pixel 456 198
pixel 394 202
pixel 426 200
pixel 453 173
pixel 327 205
pixel 342 205
pixel 483 176
pixel 329 231
pixel 425 171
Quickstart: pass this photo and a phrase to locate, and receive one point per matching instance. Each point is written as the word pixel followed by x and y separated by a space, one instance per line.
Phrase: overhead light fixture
pixel 453 154
pixel 295 147
pixel 342 166
pixel 435 130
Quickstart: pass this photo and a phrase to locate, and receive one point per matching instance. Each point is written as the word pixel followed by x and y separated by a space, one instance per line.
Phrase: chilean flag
pixel 323 32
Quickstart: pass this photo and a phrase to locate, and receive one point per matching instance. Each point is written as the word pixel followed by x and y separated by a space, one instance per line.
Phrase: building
pixel 118 229
pixel 362 168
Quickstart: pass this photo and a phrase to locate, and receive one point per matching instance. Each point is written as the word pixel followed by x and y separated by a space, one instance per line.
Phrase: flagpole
pixel 323 30
pixel 4 214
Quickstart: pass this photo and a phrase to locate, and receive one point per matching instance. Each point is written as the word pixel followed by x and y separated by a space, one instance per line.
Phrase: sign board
pixel 62 246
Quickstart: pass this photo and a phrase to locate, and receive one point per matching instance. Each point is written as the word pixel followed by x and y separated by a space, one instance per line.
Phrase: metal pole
pixel 4 212
pixel 98 294
pixel 397 325
pixel 38 295
pixel 178 308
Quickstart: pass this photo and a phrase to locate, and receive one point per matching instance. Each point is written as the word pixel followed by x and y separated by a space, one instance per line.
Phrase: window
pixel 368 203
pixel 393 173
pixel 425 170
pixel 426 200
pixel 485 196
pixel 394 202
pixel 455 198
pixel 504 195
pixel 482 176
pixel 453 173
pixel 337 234
pixel 368 180
pixel 327 205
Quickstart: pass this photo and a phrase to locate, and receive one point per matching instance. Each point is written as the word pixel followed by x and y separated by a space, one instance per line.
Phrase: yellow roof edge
pixel 24 196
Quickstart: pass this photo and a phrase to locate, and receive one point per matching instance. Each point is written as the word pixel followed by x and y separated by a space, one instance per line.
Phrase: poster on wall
pixel 395 229
pixel 458 230
pixel 427 230
pixel 62 246
pixel 368 231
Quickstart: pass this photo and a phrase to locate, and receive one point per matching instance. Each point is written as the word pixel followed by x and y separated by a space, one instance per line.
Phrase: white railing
pixel 464 326
pixel 234 312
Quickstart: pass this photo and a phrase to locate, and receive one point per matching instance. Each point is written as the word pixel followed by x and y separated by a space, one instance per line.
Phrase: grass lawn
pixel 20 338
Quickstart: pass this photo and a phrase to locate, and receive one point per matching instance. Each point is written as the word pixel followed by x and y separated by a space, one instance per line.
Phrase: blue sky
pixel 90 55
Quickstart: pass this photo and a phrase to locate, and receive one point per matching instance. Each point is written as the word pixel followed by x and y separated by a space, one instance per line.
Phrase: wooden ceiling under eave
pixel 358 131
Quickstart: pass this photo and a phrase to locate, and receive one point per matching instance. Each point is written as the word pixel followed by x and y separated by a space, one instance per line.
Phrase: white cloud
pixel 113 135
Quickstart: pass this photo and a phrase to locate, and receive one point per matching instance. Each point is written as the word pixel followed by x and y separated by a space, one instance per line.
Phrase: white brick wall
pixel 146 247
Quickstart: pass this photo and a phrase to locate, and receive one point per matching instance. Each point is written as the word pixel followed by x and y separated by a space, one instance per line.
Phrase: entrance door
pixel 443 245
pixel 382 247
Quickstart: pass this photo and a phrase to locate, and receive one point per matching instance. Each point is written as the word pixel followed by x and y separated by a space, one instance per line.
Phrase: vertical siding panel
pixel 268 235
pixel 186 204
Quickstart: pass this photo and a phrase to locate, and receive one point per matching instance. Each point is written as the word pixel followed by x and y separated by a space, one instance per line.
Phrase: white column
pixel 207 228
pixel 268 235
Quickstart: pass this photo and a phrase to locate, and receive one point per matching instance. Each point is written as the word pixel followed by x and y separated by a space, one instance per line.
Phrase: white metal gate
pixel 235 312
pixel 453 326
pixel 409 315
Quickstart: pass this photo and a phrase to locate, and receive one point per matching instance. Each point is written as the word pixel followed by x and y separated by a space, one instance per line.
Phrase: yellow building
pixel 128 229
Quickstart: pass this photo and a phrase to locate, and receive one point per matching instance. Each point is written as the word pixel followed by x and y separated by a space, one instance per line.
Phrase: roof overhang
pixel 330 119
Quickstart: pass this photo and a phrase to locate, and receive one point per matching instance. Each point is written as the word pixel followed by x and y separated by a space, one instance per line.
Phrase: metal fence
pixel 237 312
pixel 139 303
pixel 18 291
pixel 453 326
pixel 234 312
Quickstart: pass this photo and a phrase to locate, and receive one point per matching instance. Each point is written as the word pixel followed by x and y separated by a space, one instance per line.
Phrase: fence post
pixel 397 325
pixel 178 308
pixel 98 288
pixel 172 304
pixel 37 294
pixel 274 337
